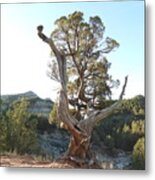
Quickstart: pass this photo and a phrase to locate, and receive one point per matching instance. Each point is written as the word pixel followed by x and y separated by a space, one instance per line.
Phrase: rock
pixel 37 105
pixel 55 143
pixel 122 160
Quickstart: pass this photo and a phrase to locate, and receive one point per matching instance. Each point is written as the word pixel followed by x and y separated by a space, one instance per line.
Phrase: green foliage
pixel 84 45
pixel 3 129
pixel 20 131
pixel 53 119
pixel 109 142
pixel 135 105
pixel 138 155
pixel 124 126
pixel 2 134
pixel 125 141
pixel 43 124
pixel 137 127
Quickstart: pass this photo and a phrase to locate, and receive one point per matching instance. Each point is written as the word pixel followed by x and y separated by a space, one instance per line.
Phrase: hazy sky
pixel 24 57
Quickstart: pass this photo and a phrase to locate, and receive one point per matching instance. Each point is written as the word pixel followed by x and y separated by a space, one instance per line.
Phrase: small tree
pixel 80 66
pixel 21 135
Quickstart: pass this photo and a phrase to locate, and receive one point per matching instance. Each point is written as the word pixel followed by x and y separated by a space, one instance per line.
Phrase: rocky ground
pixel 121 161
pixel 54 145
pixel 30 162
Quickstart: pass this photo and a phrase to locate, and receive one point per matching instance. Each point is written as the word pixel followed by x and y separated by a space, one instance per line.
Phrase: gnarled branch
pixel 63 111
pixel 59 56
pixel 84 126
pixel 99 115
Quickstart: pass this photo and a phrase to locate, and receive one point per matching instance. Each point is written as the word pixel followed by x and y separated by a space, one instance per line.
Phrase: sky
pixel 24 57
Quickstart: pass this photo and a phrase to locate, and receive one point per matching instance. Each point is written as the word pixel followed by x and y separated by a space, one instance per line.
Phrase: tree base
pixel 86 164
pixel 81 164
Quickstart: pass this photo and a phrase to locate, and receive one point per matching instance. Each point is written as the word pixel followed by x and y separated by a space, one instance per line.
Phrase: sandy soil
pixel 28 161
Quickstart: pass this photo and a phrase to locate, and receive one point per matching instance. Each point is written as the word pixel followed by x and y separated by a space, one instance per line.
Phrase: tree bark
pixel 81 131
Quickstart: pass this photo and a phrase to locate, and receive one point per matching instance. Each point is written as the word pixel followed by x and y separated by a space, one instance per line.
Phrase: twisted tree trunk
pixel 81 131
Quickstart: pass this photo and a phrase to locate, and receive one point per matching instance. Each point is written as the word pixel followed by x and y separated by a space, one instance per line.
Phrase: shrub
pixel 53 119
pixel 138 155
pixel 2 134
pixel 21 135
pixel 109 142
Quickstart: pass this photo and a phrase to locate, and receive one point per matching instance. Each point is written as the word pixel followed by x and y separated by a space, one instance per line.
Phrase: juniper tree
pixel 79 64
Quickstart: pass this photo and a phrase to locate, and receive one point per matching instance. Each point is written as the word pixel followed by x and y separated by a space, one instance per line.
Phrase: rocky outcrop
pixel 37 105
pixel 17 97
pixel 54 144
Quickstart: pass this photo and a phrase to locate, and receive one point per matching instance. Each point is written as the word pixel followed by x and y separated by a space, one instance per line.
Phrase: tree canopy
pixel 84 46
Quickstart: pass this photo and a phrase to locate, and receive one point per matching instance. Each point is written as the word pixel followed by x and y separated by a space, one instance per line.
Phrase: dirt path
pixel 29 161
pixel 120 162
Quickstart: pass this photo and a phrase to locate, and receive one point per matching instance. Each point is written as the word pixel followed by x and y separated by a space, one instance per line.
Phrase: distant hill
pixel 37 105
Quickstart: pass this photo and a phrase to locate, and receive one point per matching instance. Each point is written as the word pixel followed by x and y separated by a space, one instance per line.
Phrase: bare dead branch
pixel 61 60
pixel 123 89
pixel 99 115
